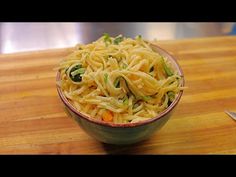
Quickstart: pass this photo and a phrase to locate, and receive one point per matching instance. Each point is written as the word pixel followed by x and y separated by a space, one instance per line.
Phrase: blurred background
pixel 18 37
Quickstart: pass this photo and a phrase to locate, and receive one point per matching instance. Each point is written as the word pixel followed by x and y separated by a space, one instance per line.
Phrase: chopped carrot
pixel 143 68
pixel 107 116
pixel 133 77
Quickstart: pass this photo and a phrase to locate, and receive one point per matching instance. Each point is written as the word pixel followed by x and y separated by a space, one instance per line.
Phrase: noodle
pixel 118 80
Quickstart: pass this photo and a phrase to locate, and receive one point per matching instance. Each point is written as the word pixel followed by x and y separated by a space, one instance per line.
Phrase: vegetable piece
pixel 117 82
pixel 105 77
pixel 76 75
pixel 76 67
pixel 171 96
pixel 77 78
pixel 124 66
pixel 168 71
pixel 107 38
pixel 135 106
pixel 146 98
pixel 118 39
pixel 126 100
pixel 129 90
pixel 107 116
pixel 139 37
pixel 134 77
pixel 78 71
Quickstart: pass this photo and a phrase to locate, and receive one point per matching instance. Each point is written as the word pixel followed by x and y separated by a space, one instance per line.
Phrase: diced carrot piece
pixel 133 77
pixel 107 116
pixel 143 68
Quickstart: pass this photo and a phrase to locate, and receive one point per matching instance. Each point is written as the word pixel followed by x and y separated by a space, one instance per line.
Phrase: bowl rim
pixel 128 125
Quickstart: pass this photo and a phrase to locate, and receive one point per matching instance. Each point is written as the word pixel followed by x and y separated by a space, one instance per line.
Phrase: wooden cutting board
pixel 32 119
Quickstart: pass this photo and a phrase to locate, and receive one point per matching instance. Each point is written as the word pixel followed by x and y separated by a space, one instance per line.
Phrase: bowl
pixel 129 133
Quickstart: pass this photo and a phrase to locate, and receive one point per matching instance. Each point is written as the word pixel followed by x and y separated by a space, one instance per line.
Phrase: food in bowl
pixel 108 86
pixel 118 80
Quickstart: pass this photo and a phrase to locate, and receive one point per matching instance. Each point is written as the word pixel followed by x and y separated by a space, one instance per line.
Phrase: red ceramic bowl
pixel 128 133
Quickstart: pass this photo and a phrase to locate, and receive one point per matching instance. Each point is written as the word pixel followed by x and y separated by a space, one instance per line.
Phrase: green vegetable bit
pixel 76 67
pixel 136 105
pixel 139 37
pixel 105 77
pixel 146 98
pixel 168 71
pixel 107 38
pixel 78 71
pixel 124 66
pixel 75 73
pixel 126 101
pixel 117 82
pixel 118 39
pixel 171 96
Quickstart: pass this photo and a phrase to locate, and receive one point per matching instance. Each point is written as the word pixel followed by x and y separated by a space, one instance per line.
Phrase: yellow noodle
pixel 117 77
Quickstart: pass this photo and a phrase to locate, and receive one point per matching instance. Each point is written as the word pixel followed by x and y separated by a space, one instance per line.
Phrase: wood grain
pixel 32 119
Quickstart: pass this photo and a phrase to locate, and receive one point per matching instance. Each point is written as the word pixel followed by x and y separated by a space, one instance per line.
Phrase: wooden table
pixel 32 119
